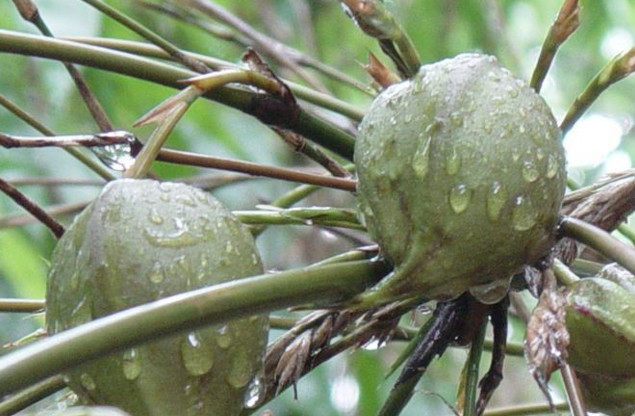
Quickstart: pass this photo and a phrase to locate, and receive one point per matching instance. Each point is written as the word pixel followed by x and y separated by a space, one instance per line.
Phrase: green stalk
pixel 21 306
pixel 471 373
pixel 599 240
pixel 31 395
pixel 305 124
pixel 328 217
pixel 186 311
pixel 527 409
pixel 299 91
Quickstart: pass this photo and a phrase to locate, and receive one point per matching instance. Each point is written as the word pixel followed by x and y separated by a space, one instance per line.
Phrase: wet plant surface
pixel 444 198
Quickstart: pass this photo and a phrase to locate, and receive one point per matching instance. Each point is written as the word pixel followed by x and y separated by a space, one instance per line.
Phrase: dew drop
pixel 460 198
pixel 523 214
pixel 407 118
pixel 496 199
pixel 131 364
pixel 452 161
pixel 393 120
pixel 515 154
pixel 254 392
pixel 492 292
pixel 154 217
pixel 421 158
pixel 224 337
pixel 530 171
pixel 157 273
pixel 87 382
pixel 540 154
pixel 240 372
pixel 198 358
pixel 552 166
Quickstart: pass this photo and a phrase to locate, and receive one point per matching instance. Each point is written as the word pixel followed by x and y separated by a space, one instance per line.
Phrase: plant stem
pixel 471 373
pixel 328 217
pixel 305 124
pixel 203 307
pixel 21 306
pixel 527 409
pixel 299 91
pixel 599 240
pixel 56 228
pixel 31 394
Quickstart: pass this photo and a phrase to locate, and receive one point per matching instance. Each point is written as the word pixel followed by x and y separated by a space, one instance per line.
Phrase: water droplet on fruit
pixel 530 171
pixel 87 382
pixel 240 371
pixel 254 392
pixel 460 197
pixel 198 358
pixel 393 120
pixel 452 161
pixel 515 154
pixel 407 118
pixel 157 273
pixel 552 166
pixel 523 214
pixel 224 337
pixel 496 199
pixel 154 217
pixel 421 158
pixel 492 292
pixel 131 364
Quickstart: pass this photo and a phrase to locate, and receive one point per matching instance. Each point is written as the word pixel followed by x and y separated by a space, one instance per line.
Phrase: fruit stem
pixel 199 308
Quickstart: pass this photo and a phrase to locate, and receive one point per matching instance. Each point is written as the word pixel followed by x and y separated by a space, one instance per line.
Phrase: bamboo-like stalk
pixel 305 124
pixel 203 307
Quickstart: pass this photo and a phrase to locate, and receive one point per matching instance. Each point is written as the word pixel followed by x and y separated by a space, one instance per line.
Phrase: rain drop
pixel 421 158
pixel 154 217
pixel 240 372
pixel 496 199
pixel 254 392
pixel 530 171
pixel 460 197
pixel 87 382
pixel 452 162
pixel 157 273
pixel 198 358
pixel 492 292
pixel 131 364
pixel 224 337
pixel 523 214
pixel 553 166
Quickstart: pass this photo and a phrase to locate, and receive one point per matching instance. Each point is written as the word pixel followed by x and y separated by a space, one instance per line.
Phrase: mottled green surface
pixel 600 317
pixel 140 241
pixel 461 176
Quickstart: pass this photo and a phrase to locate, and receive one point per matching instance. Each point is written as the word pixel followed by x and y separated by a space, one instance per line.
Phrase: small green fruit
pixel 139 241
pixel 461 177
pixel 600 318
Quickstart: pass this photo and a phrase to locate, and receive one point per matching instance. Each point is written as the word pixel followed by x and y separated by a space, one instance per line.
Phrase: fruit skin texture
pixel 461 175
pixel 600 318
pixel 139 241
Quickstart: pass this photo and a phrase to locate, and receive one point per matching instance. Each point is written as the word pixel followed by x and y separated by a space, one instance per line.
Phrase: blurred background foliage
pixel 513 30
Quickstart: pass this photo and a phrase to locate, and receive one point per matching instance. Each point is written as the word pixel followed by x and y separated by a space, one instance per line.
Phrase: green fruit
pixel 461 177
pixel 600 318
pixel 139 241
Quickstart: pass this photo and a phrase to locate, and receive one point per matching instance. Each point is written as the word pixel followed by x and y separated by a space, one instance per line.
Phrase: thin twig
pixel 56 228
pixel 192 159
pixel 84 140
pixel 20 220
pixel 31 395
pixel 21 305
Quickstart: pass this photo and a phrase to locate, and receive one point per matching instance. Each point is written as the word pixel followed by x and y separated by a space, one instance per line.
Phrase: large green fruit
pixel 139 241
pixel 461 177
pixel 600 318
